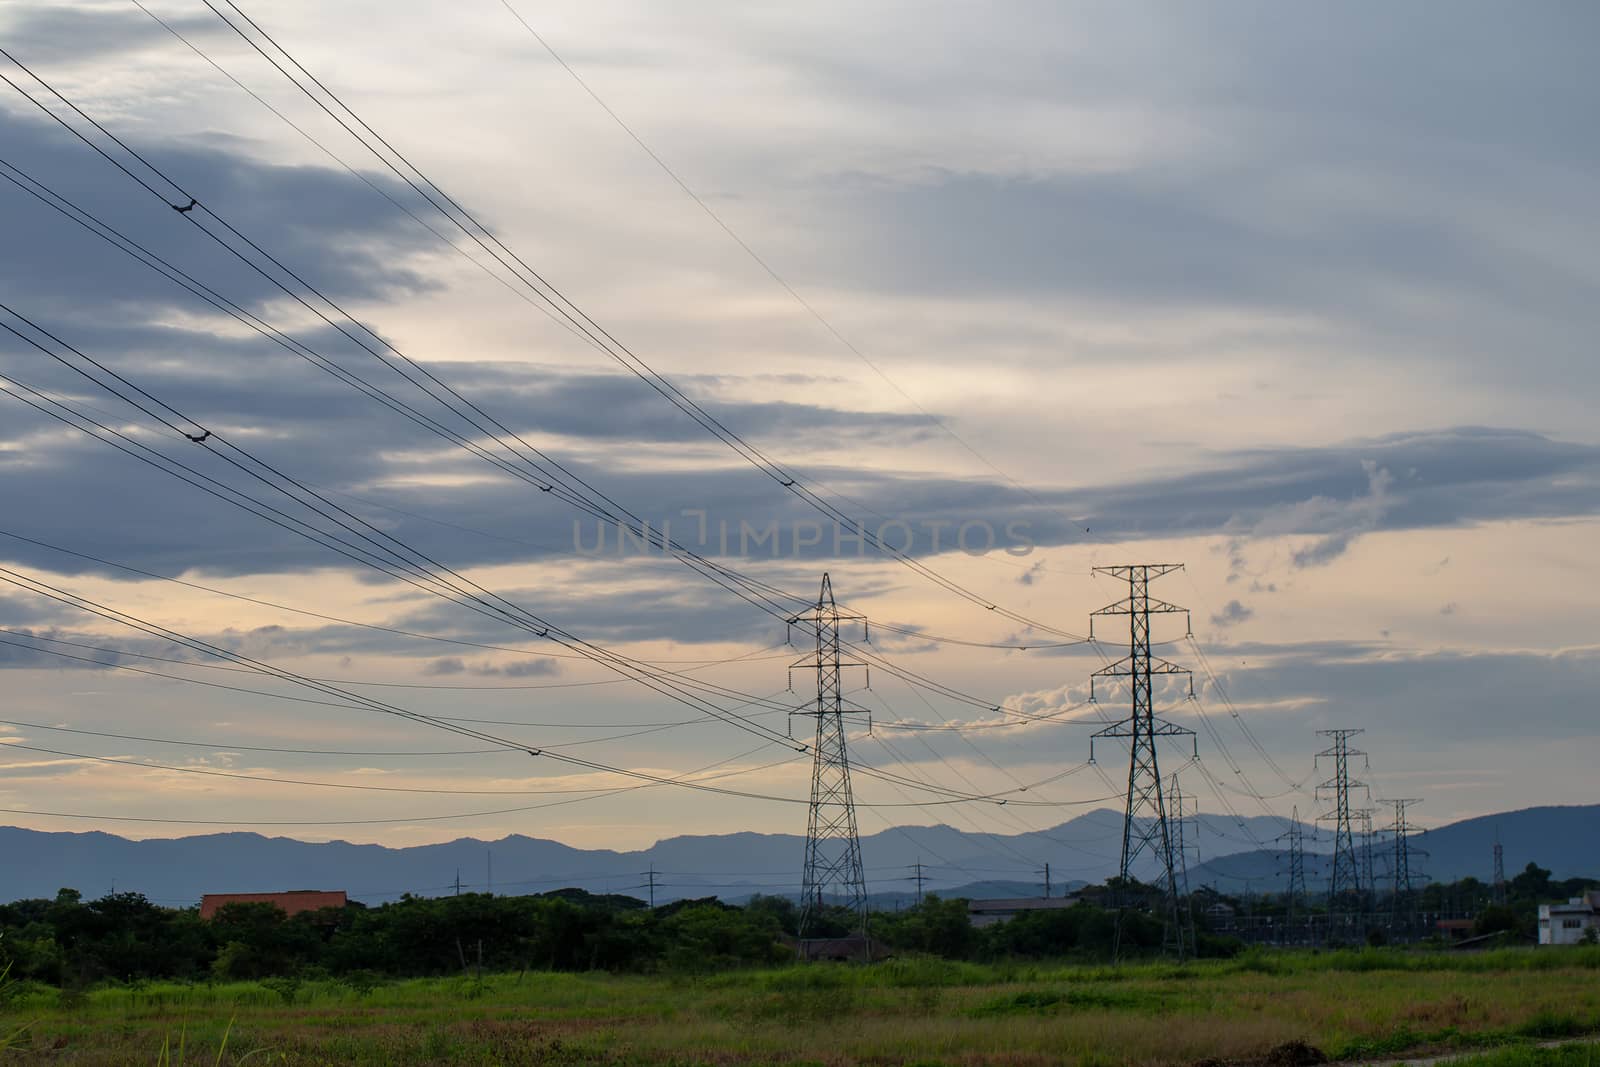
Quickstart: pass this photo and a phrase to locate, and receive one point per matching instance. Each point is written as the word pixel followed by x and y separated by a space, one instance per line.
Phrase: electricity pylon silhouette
pixel 1295 835
pixel 833 844
pixel 1177 811
pixel 1400 901
pixel 1144 824
pixel 1346 879
pixel 1367 882
pixel 1178 817
pixel 1499 870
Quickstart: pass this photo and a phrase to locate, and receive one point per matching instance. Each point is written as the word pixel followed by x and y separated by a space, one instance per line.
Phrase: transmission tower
pixel 1178 810
pixel 833 844
pixel 1177 814
pixel 1499 871
pixel 1144 825
pixel 1295 835
pixel 1346 878
pixel 1402 881
pixel 1367 883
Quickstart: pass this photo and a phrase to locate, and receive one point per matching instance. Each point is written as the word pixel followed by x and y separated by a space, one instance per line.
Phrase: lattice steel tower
pixel 1499 870
pixel 1401 831
pixel 1177 815
pixel 1346 874
pixel 833 844
pixel 1144 826
pixel 1367 883
pixel 1295 835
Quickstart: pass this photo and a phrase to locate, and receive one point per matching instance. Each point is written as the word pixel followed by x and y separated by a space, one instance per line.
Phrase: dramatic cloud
pixel 1306 301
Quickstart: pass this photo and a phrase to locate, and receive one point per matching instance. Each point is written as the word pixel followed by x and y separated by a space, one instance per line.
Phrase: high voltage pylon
pixel 1346 875
pixel 1401 831
pixel 1295 835
pixel 833 844
pixel 1499 870
pixel 1177 810
pixel 1145 825
pixel 1177 815
pixel 1367 883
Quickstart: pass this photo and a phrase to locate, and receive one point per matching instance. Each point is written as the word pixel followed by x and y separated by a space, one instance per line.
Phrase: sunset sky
pixel 1304 299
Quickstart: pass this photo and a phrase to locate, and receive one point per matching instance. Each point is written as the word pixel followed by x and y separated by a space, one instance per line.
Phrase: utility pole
pixel 918 878
pixel 651 884
pixel 1046 873
pixel 1144 824
pixel 1499 870
pixel 833 844
pixel 458 881
pixel 1346 877
pixel 489 869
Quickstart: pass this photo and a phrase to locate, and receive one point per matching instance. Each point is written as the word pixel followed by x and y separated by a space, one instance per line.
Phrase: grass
pixel 1350 1005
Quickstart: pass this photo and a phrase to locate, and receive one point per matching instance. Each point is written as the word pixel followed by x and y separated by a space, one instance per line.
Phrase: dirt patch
pixel 1295 1054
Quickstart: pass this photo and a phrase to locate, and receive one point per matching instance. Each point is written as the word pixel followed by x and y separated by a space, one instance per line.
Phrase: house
pixel 293 902
pixel 989 912
pixel 1570 923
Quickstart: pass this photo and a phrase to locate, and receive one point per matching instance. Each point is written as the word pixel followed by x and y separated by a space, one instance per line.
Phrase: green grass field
pixel 1367 1005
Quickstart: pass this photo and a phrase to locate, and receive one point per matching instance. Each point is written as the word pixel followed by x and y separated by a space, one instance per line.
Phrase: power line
pixel 741 585
pixel 760 260
pixel 481 235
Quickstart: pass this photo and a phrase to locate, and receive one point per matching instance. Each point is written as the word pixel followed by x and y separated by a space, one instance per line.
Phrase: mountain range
pixel 1231 853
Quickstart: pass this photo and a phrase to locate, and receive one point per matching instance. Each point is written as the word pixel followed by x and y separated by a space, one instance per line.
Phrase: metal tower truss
pixel 1295 835
pixel 1345 885
pixel 1404 879
pixel 833 866
pixel 1499 870
pixel 1145 826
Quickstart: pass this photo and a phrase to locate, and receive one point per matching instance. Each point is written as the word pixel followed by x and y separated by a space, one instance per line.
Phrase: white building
pixel 1567 924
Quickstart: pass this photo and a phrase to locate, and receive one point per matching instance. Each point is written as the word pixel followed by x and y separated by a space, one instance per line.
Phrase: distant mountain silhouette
pixel 735 866
pixel 1564 839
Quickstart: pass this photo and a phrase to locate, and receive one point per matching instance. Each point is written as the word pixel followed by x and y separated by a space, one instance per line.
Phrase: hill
pixel 736 866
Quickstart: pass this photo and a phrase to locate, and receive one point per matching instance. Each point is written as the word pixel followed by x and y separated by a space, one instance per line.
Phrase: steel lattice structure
pixel 1145 827
pixel 1346 879
pixel 1401 831
pixel 1295 835
pixel 833 844
pixel 1367 883
pixel 1499 870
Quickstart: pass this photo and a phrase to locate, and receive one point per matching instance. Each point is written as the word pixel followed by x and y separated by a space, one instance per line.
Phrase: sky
pixel 1301 299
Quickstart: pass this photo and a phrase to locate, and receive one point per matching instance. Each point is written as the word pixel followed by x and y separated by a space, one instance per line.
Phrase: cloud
pixel 326 224
pixel 1349 521
pixel 63 33
pixel 1232 613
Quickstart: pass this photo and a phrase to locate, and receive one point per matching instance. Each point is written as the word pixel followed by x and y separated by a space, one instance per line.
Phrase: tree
pixel 1532 884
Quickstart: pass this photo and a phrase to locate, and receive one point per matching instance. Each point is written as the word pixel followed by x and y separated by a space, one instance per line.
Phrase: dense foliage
pixel 124 937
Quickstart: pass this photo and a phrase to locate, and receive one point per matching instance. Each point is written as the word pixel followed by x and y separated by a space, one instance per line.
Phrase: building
pixel 989 912
pixel 293 902
pixel 1570 923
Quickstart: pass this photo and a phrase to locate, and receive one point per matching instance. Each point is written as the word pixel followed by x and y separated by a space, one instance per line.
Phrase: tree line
pixel 71 942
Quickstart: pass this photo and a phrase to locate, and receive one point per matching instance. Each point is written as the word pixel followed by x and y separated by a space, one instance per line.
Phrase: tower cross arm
pixel 1149 605
pixel 1150 570
pixel 1124 668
